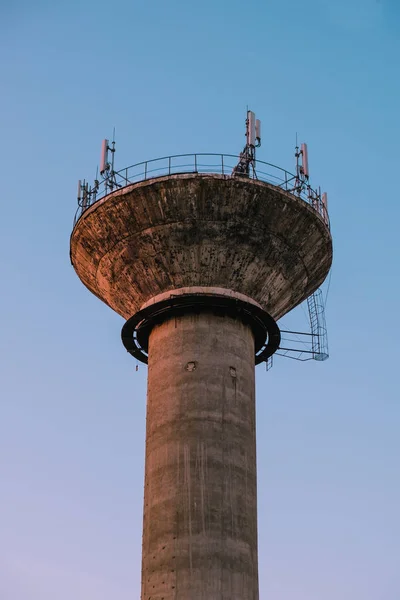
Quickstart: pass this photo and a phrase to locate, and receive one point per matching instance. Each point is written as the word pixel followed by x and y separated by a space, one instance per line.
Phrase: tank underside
pixel 200 230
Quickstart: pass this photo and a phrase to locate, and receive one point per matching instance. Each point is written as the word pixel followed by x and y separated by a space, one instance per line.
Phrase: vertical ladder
pixel 316 311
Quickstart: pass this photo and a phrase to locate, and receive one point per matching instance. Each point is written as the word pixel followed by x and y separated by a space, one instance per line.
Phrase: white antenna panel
pixel 258 130
pixel 104 157
pixel 304 153
pixel 325 200
pixel 79 189
pixel 251 128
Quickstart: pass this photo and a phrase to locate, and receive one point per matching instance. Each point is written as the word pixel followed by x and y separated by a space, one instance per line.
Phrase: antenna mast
pixel 247 158
pixel 302 170
pixel 107 164
pixel 87 195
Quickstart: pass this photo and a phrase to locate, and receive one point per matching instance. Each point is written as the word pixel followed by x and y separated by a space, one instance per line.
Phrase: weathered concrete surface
pixel 200 505
pixel 201 230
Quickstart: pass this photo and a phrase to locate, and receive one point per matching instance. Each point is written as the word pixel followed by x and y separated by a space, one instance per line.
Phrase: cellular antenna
pixel 302 170
pixel 251 128
pixel 247 157
pixel 304 161
pixel 112 152
pixel 85 195
pixel 104 164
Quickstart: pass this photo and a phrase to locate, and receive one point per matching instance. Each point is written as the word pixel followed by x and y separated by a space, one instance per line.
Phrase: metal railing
pixel 223 164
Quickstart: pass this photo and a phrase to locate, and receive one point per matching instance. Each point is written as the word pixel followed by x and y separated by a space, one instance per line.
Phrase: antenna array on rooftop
pixel 87 195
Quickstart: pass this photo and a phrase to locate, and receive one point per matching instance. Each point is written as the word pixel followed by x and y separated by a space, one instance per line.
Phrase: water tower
pixel 202 255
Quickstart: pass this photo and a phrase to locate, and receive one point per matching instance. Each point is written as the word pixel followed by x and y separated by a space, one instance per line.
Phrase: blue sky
pixel 172 78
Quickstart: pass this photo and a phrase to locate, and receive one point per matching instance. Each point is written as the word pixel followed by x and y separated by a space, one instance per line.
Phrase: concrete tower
pixel 201 265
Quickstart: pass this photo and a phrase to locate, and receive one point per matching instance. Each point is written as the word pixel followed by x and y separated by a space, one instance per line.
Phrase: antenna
pixel 104 164
pixel 79 190
pixel 302 171
pixel 112 152
pixel 304 161
pixel 251 128
pixel 84 195
pixel 247 157
pixel 298 185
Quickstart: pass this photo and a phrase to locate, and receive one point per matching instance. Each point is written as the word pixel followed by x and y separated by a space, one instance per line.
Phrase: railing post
pixel 222 164
pixel 145 170
pixel 126 174
pixel 169 165
pixel 195 163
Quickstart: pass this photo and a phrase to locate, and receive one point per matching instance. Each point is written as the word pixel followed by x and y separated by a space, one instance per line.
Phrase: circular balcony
pixel 223 164
pixel 176 224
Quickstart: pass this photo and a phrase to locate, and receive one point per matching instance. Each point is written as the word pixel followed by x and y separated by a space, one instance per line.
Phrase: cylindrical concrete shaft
pixel 200 502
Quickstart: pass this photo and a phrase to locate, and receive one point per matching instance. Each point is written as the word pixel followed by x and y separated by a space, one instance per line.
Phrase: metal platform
pixel 223 164
pixel 136 331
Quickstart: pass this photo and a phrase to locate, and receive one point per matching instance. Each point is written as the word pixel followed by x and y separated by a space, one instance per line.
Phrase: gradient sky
pixel 176 77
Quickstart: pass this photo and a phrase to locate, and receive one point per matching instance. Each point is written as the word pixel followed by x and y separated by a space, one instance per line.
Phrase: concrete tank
pixel 198 263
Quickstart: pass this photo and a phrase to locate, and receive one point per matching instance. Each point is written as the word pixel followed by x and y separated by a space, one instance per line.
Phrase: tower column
pixel 200 500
